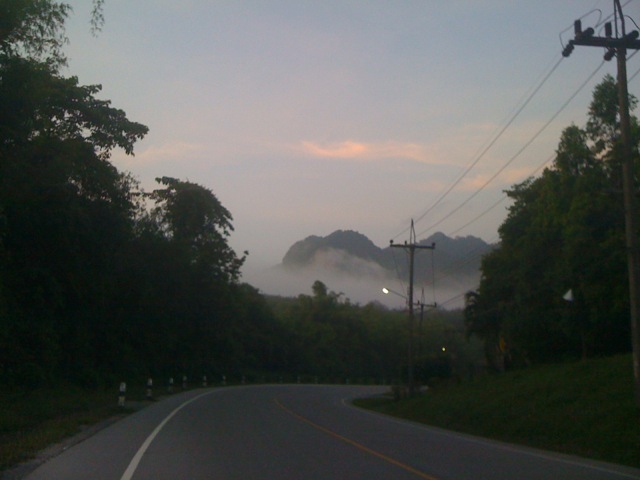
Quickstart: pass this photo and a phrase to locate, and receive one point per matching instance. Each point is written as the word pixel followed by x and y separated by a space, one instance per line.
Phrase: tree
pixel 34 29
pixel 66 211
pixel 192 216
pixel 564 231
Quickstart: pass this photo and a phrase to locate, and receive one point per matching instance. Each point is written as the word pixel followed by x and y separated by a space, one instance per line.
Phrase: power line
pixel 448 190
pixel 500 200
pixel 617 46
pixel 522 149
pixel 489 146
pixel 515 115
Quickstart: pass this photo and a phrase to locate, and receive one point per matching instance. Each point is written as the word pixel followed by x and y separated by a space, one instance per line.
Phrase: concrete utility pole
pixel 618 46
pixel 422 305
pixel 411 247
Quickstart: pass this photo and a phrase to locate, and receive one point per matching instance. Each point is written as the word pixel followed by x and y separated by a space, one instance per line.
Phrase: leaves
pixel 33 29
pixel 564 230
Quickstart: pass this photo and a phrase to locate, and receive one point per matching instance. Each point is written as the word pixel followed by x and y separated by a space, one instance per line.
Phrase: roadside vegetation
pixel 103 282
pixel 31 421
pixel 583 408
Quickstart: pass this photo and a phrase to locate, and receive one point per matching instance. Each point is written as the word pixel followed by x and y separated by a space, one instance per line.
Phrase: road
pixel 298 432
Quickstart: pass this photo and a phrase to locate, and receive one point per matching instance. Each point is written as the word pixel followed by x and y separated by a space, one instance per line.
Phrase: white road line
pixel 131 469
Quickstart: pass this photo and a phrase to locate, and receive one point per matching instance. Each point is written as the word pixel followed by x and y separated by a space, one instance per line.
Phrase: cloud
pixel 171 151
pixel 507 178
pixel 353 150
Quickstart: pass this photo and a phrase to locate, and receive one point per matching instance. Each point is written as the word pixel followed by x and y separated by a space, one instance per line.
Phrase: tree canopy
pixel 564 232
pixel 91 282
pixel 101 281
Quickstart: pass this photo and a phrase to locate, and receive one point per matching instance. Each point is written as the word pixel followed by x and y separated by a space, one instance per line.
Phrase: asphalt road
pixel 298 432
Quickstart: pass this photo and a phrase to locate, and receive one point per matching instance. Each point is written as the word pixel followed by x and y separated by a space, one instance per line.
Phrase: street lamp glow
pixel 387 291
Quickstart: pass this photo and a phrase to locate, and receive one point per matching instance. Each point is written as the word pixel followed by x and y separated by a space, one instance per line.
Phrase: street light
pixel 387 291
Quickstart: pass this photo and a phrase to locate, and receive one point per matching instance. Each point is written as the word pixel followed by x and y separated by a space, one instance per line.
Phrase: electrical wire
pixel 397 268
pixel 489 146
pixel 614 14
pixel 451 300
pixel 500 200
pixel 600 21
pixel 522 149
pixel 469 257
pixel 458 179
pixel 473 254
pixel 512 113
pixel 570 27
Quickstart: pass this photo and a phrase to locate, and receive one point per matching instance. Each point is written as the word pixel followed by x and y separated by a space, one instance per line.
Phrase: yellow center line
pixel 359 446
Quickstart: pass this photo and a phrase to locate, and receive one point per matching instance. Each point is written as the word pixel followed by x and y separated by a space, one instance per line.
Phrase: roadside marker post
pixel 149 388
pixel 122 394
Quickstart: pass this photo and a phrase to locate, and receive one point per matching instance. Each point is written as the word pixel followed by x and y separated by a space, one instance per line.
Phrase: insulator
pixel 577 27
pixel 587 33
pixel 610 54
pixel 568 49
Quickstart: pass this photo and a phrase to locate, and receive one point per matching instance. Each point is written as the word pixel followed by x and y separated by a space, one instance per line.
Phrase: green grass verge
pixel 582 408
pixel 31 421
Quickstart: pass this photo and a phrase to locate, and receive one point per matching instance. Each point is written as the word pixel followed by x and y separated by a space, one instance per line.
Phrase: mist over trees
pixel 327 338
pixel 564 232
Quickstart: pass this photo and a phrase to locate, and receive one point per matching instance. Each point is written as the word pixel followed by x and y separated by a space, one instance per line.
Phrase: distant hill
pixel 303 252
pixel 455 259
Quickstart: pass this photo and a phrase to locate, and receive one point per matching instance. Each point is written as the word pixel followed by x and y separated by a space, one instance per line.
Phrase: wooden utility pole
pixel 411 247
pixel 617 46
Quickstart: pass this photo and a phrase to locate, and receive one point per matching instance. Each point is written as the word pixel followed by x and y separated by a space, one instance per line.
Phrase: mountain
pixel 352 252
pixel 304 252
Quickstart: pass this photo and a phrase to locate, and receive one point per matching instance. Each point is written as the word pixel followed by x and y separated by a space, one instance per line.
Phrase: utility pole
pixel 411 247
pixel 617 46
pixel 421 304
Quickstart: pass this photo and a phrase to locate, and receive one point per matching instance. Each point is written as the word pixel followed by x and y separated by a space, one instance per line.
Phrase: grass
pixel 582 408
pixel 31 421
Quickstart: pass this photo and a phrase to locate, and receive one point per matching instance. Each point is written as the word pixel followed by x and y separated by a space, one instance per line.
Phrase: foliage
pixel 564 231
pixel 192 216
pixel 92 287
pixel 101 281
pixel 32 421
pixel 331 339
pixel 34 29
pixel 564 408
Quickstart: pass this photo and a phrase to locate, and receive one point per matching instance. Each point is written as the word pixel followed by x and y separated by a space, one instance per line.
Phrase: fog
pixel 358 280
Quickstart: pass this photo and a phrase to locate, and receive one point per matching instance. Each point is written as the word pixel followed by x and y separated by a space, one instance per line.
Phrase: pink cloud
pixel 353 150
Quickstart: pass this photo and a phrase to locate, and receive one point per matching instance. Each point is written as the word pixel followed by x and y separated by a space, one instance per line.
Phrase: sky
pixel 306 117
